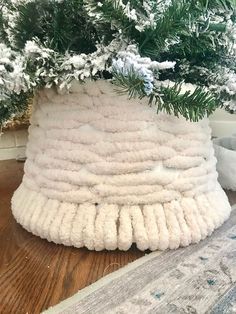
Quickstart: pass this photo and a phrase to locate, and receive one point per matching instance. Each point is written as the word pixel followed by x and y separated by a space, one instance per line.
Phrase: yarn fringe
pixel 110 226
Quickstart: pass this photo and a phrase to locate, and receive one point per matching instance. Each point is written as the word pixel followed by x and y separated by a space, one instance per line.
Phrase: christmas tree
pixel 180 54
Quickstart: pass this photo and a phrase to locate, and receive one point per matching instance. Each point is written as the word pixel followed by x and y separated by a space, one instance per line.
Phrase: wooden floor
pixel 35 274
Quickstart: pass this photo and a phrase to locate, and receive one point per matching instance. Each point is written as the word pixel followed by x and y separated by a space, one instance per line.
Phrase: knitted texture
pixel 104 172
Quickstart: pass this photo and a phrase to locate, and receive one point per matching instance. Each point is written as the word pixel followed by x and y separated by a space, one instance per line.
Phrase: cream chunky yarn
pixel 104 172
pixel 225 151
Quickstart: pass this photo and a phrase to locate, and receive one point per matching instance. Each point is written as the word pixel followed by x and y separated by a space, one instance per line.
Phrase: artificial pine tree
pixel 104 171
pixel 53 42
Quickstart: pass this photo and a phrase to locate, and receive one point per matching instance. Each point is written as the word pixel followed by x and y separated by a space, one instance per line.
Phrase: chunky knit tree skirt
pixel 104 172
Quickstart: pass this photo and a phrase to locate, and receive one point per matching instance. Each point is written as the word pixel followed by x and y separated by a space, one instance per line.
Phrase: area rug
pixel 198 279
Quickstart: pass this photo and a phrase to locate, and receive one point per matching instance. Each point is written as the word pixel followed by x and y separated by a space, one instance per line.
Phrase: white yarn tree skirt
pixel 104 172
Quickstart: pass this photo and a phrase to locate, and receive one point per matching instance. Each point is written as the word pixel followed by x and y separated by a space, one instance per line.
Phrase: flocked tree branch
pixel 180 41
pixel 193 105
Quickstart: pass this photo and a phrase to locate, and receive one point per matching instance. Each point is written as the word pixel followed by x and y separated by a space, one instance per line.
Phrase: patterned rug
pixel 194 280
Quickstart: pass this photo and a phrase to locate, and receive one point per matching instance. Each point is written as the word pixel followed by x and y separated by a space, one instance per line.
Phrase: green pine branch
pixel 4 24
pixel 112 18
pixel 172 23
pixel 129 83
pixel 192 106
pixel 182 32
pixel 61 26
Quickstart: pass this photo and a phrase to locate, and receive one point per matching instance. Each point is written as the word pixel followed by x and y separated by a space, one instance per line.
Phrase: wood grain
pixel 36 274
